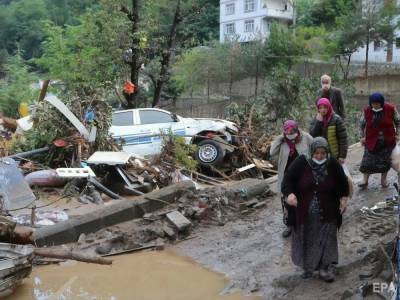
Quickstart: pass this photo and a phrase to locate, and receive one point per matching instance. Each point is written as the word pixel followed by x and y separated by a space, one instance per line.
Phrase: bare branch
pixel 126 11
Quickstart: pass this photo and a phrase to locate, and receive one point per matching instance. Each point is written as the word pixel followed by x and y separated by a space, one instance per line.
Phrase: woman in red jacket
pixel 379 128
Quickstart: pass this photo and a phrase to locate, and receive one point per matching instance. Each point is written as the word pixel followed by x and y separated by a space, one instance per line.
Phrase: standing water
pixel 143 276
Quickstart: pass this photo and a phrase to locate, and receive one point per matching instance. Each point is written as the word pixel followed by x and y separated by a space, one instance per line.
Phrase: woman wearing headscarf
pixel 284 150
pixel 330 126
pixel 379 129
pixel 316 188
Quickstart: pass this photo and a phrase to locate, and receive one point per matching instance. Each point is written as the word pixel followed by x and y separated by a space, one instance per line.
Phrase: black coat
pixel 336 99
pixel 300 181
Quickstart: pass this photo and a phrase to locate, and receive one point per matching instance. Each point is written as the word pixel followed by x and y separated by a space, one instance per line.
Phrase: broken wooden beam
pixel 68 254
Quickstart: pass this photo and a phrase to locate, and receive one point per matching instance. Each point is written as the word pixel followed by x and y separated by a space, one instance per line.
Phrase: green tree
pixel 346 39
pixel 22 27
pixel 325 12
pixel 67 12
pixel 202 27
pixel 16 86
pixel 87 56
pixel 281 48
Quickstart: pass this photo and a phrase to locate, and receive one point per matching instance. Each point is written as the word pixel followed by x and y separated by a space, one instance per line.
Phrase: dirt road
pixel 252 253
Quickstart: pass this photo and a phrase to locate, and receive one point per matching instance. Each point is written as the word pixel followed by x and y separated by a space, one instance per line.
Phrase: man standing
pixel 333 94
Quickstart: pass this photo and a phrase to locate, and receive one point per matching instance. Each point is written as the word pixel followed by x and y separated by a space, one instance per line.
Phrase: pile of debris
pixel 64 151
pixel 176 221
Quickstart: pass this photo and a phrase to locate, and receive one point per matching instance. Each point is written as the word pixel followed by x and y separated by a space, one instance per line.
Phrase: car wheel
pixel 209 152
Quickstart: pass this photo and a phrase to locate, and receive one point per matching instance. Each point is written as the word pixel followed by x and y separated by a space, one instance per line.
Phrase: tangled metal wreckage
pixel 78 198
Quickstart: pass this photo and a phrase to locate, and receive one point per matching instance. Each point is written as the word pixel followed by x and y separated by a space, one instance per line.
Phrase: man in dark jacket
pixel 333 94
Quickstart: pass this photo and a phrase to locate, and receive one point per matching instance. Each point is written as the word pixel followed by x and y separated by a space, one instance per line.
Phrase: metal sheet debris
pixel 14 190
pixel 109 158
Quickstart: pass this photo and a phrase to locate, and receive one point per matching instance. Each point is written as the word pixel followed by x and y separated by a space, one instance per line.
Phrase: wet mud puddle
pixel 142 276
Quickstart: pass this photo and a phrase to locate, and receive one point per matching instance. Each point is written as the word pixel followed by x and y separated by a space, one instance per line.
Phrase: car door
pixel 133 137
pixel 160 122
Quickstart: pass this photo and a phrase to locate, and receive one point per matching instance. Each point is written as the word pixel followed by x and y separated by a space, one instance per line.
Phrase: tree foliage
pixel 281 48
pixel 16 86
pixel 21 22
pixel 87 56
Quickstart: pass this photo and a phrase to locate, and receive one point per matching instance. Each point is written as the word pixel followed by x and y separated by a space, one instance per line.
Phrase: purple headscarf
pixel 290 124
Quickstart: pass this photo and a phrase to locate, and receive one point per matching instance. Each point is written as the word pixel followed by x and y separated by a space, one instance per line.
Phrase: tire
pixel 209 152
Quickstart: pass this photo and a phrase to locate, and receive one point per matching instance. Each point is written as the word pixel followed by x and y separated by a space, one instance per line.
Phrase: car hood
pixel 218 123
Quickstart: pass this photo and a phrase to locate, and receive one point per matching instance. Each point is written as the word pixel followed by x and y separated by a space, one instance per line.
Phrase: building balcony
pixel 278 14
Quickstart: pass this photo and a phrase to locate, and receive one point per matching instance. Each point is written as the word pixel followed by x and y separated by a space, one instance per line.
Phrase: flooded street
pixel 147 275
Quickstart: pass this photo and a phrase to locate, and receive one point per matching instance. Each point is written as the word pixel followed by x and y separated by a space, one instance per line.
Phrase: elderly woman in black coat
pixel 317 189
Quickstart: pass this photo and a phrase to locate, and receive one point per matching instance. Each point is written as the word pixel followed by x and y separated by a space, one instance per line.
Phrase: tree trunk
pixel 366 53
pixel 134 65
pixel 346 74
pixel 166 56
pixel 257 71
pixel 208 88
pixel 230 77
pixel 294 16
pixel 389 53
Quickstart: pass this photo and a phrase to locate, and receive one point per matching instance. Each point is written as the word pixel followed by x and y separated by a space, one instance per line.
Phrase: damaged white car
pixel 139 132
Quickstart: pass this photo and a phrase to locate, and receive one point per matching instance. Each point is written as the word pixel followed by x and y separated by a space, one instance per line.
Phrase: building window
pixel 230 9
pixel 230 28
pixel 264 4
pixel 377 45
pixel 397 42
pixel 249 5
pixel 249 26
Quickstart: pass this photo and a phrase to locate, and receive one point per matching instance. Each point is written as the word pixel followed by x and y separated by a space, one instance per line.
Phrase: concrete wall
pixel 386 84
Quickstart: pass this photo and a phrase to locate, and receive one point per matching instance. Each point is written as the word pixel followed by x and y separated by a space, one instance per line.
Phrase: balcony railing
pixel 278 14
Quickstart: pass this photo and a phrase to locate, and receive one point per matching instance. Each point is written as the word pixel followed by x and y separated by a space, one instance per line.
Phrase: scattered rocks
pixel 103 249
pixel 202 213
pixel 154 231
pixel 252 284
pixel 179 220
pixel 170 233
pixel 366 274
pixel 347 294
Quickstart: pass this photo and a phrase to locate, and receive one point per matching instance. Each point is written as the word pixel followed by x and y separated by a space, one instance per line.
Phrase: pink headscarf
pixel 325 102
pixel 290 124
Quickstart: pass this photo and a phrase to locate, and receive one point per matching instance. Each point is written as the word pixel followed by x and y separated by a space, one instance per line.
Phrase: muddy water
pixel 142 276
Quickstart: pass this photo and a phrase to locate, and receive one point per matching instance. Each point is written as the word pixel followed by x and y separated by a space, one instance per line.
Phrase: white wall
pixel 275 7
pixel 379 55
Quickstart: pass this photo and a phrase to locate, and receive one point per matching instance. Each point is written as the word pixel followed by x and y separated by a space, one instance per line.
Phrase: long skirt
pixel 314 244
pixel 376 161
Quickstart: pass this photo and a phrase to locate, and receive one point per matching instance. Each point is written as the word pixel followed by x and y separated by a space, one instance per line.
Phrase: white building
pixel 247 20
pixel 379 52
